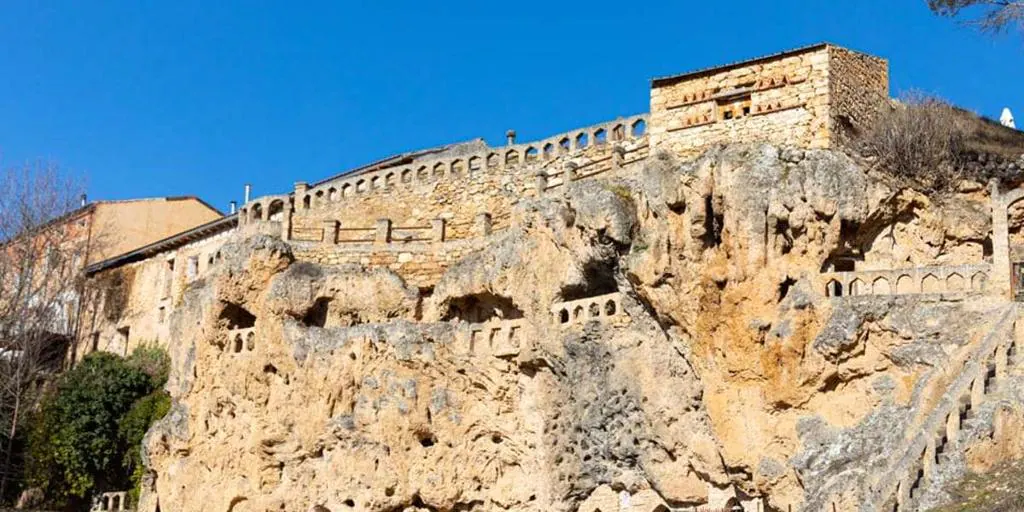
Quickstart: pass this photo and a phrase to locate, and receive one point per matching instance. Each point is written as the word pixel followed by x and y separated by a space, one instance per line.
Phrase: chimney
pixel 248 191
pixel 233 206
pixel 1007 119
pixel 84 198
pixel 511 137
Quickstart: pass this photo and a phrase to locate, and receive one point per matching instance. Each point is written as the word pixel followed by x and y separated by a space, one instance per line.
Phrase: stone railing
pixel 601 307
pixel 241 339
pixel 950 279
pixel 385 232
pixel 498 338
pixel 110 501
pixel 428 170
pixel 571 171
pixel 900 485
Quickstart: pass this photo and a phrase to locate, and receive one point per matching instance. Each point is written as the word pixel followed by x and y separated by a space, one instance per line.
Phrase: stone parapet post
pixel 540 182
pixel 482 225
pixel 1000 280
pixel 437 230
pixel 330 232
pixel 382 233
pixel 618 157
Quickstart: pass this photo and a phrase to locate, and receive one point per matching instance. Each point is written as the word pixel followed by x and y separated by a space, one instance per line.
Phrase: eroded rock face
pixel 719 370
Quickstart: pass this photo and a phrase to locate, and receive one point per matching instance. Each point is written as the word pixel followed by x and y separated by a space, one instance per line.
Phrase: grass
pixel 999 490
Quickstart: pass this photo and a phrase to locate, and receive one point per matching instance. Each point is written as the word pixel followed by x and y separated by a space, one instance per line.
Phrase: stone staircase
pixel 920 458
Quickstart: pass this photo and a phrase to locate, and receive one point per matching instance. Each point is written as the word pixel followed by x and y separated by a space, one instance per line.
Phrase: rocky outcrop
pixel 642 342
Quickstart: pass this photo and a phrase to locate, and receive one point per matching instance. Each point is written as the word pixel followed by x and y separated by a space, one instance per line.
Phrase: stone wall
pixel 784 99
pixel 152 289
pixel 858 85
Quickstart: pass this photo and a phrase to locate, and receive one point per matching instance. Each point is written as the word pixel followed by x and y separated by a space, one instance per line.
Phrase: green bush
pixel 87 433
pixel 146 411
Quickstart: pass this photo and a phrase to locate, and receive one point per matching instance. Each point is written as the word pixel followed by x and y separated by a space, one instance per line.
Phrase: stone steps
pixel 937 440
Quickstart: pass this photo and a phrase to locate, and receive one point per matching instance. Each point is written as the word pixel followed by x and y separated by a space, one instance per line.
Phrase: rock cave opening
pixel 785 286
pixel 318 313
pixel 237 317
pixel 482 307
pixel 598 279
pixel 714 223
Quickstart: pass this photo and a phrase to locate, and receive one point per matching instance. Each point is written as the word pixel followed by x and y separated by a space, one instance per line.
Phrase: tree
pixel 87 426
pixel 991 15
pixel 42 247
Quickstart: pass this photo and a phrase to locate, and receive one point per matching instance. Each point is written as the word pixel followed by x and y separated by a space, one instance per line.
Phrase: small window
pixel 95 342
pixel 192 271
pixel 162 314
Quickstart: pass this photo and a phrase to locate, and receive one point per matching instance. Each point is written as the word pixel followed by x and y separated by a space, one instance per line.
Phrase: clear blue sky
pixel 197 97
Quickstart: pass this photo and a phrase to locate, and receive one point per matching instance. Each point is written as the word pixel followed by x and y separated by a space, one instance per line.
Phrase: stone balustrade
pixel 939 279
pixel 243 339
pixel 110 502
pixel 385 232
pixel 497 338
pixel 621 130
pixel 899 486
pixel 601 307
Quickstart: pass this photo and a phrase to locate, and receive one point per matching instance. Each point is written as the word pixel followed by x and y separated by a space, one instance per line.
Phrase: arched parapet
pixel 945 280
pixel 606 307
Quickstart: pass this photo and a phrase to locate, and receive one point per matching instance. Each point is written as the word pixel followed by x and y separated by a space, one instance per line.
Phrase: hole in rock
pixel 713 224
pixel 785 286
pixel 482 307
pixel 237 317
pixel 317 314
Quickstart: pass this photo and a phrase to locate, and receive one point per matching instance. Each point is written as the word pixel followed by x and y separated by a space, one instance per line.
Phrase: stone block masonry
pixel 801 97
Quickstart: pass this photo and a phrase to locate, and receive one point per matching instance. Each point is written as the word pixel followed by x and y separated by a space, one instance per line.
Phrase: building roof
pixel 665 80
pixel 172 242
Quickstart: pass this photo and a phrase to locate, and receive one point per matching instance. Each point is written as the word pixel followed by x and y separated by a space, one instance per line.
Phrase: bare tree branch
pixel 994 16
pixel 43 244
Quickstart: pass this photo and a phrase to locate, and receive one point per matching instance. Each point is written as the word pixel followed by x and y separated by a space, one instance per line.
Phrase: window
pixel 162 314
pixel 734 107
pixel 95 342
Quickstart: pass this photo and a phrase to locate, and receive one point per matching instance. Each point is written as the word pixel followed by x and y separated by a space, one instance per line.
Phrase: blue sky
pixel 188 97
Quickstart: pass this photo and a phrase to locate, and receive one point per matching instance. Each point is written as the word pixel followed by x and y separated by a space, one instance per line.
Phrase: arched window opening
pixel 332 194
pixel 457 168
pixel 474 164
pixel 619 132
pixel 306 200
pixel 407 176
pixel 564 145
pixel 257 211
pixel 531 154
pixel 639 128
pixel 276 210
pixel 609 308
pixel 493 160
pixel 600 136
pixel 439 170
pixel 582 140
pixel 512 157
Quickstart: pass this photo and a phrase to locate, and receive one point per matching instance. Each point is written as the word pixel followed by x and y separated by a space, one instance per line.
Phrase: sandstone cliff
pixel 649 342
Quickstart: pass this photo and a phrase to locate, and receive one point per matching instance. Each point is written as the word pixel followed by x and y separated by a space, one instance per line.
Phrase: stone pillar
pixel 382 235
pixel 618 157
pixel 437 230
pixel 300 188
pixel 1000 281
pixel 541 182
pixel 286 224
pixel 569 172
pixel 482 225
pixel 330 232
